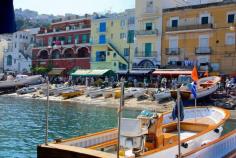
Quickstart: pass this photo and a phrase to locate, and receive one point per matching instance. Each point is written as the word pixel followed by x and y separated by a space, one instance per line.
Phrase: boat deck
pixel 203 120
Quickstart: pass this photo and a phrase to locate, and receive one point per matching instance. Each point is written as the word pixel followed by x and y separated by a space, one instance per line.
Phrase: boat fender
pixel 217 130
pixel 185 145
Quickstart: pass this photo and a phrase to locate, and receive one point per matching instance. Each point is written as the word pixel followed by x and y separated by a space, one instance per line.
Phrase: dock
pixel 233 114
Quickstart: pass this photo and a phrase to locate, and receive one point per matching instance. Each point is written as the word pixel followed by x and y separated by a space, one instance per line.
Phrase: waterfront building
pixel 17 55
pixel 202 34
pixel 64 44
pixel 112 38
pixel 148 13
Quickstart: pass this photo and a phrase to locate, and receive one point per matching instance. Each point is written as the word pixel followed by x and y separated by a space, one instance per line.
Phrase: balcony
pixel 203 50
pixel 152 54
pixel 189 27
pixel 172 51
pixel 146 32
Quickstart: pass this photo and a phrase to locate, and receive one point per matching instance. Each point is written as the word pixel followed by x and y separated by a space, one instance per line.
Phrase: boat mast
pixel 47 112
pixel 120 115
pixel 179 127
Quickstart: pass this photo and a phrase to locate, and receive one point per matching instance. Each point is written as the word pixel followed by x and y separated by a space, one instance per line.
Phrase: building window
pixel 148 26
pixel 126 52
pixel 174 23
pixel 84 38
pixel 69 39
pixel 131 35
pixel 102 27
pixel 204 20
pixel 149 6
pixel 100 56
pixel 102 39
pixel 9 60
pixel 230 39
pixel 122 35
pixel 230 18
pixel 131 21
pixel 148 50
pixel 76 39
pixel 173 45
pixel 122 23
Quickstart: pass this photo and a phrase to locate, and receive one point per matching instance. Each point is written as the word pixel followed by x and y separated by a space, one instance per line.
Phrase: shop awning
pixel 172 72
pixel 140 72
pixel 56 71
pixel 90 73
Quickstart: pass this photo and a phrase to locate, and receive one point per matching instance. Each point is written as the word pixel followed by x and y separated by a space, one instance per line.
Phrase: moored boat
pixel 72 93
pixel 205 87
pixel 148 136
pixel 162 94
pixel 12 85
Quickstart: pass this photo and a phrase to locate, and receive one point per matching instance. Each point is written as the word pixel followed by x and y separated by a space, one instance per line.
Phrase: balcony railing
pixel 47 31
pixel 145 54
pixel 147 32
pixel 190 27
pixel 172 51
pixel 203 50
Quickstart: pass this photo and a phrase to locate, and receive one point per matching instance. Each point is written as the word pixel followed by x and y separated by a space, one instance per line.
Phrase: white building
pixel 4 40
pixel 17 57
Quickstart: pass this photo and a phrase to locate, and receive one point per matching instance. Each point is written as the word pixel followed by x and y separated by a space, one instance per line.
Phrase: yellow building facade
pixel 112 38
pixel 149 32
pixel 202 34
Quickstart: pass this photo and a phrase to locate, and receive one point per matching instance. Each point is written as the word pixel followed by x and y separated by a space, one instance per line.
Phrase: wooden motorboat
pixel 90 89
pixel 134 92
pixel 72 93
pixel 148 136
pixel 99 92
pixel 224 146
pixel 26 90
pixel 109 93
pixel 205 86
pixel 162 94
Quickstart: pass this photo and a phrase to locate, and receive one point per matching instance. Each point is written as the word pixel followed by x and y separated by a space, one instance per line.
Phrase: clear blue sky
pixel 60 7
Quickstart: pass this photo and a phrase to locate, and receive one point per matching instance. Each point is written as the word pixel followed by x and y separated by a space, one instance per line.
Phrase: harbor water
pixel 22 123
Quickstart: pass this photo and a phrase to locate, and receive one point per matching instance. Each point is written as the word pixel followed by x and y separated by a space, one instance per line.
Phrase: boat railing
pixel 92 140
pixel 221 147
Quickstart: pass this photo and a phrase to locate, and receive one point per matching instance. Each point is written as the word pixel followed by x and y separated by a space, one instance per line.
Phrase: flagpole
pixel 47 113
pixel 179 127
pixel 120 115
pixel 195 109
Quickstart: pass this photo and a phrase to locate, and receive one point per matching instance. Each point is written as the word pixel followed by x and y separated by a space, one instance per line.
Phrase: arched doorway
pixel 68 53
pixel 83 52
pixel 146 64
pixel 43 54
pixel 56 54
